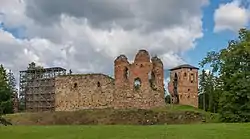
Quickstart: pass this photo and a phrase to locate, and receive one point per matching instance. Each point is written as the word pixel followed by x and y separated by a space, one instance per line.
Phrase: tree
pixel 210 91
pixel 167 99
pixel 12 85
pixel 207 87
pixel 12 81
pixel 232 64
pixel 37 69
pixel 202 93
pixel 6 104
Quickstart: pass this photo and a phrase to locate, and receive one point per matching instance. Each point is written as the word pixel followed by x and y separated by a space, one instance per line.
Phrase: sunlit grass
pixel 194 131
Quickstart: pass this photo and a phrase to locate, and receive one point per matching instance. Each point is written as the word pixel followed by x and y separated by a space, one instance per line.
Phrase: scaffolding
pixel 37 88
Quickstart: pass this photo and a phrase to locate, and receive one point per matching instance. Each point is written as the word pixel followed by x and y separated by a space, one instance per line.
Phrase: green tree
pixel 168 99
pixel 210 91
pixel 12 81
pixel 207 95
pixel 232 64
pixel 5 93
pixel 202 92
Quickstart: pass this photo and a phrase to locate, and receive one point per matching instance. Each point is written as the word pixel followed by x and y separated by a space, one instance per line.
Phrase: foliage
pixel 202 95
pixel 208 98
pixel 232 64
pixel 203 101
pixel 12 81
pixel 6 93
pixel 168 99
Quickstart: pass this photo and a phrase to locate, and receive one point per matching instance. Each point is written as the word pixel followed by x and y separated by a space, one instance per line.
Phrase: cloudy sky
pixel 87 35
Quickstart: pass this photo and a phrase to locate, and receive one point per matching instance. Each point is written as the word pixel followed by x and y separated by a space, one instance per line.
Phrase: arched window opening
pixel 175 83
pixel 152 80
pixel 137 83
pixel 126 73
pixel 191 77
pixel 175 80
pixel 175 77
pixel 98 84
pixel 153 75
pixel 185 74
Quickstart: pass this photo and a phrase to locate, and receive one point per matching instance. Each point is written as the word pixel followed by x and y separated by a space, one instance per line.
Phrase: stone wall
pixel 139 84
pixel 136 85
pixel 87 91
pixel 187 86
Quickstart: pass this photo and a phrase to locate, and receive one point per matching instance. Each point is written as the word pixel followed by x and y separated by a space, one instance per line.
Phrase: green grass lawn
pixel 192 131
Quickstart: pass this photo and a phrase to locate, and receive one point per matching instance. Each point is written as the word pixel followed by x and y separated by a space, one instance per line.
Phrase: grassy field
pixel 193 131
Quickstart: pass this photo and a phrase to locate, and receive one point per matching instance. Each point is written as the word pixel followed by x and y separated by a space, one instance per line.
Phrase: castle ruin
pixel 139 84
pixel 136 85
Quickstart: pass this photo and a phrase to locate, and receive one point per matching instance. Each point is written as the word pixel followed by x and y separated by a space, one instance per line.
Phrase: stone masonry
pixel 183 85
pixel 139 84
pixel 86 91
pixel 136 85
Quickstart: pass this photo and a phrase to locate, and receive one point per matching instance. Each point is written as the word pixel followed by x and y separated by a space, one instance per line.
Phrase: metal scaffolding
pixel 37 88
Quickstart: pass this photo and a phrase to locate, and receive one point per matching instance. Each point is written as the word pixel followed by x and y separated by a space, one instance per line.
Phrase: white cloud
pixel 75 42
pixel 231 16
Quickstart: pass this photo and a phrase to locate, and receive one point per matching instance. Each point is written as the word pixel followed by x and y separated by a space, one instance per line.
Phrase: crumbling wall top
pixel 121 59
pixel 142 56
pixel 156 61
pixel 88 75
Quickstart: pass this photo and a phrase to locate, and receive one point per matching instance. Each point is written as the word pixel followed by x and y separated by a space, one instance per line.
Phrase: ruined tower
pixel 157 76
pixel 121 72
pixel 139 84
pixel 183 85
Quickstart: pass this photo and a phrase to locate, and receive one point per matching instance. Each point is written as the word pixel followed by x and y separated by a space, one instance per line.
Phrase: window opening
pixel 137 83
pixel 126 73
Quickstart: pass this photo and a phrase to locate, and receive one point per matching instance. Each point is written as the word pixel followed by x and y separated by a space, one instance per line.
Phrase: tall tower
pixel 157 75
pixel 183 85
pixel 121 71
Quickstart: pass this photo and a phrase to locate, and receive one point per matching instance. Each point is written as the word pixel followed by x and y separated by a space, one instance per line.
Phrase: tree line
pixel 226 88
